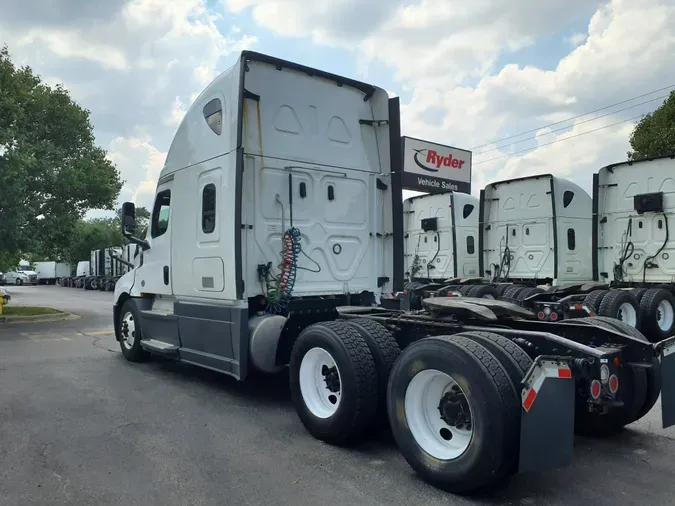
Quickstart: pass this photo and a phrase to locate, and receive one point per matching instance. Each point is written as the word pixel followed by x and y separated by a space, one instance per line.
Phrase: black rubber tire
pixel 512 292
pixel 614 300
pixel 653 377
pixel 358 382
pixel 18 281
pixel 493 450
pixel 483 291
pixel 594 299
pixel 526 292
pixel 511 356
pixel 649 307
pixel 136 353
pixel 638 293
pixel 385 351
pixel 633 392
pixel 502 287
pixel 465 289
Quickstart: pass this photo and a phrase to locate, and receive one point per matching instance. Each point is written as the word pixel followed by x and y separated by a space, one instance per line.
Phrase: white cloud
pixel 140 162
pixel 446 52
pixel 138 64
pixel 576 39
pixel 135 64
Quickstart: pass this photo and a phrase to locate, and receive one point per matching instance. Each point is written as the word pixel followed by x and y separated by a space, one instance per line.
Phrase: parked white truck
pixel 548 245
pixel 276 239
pixel 633 237
pixel 49 273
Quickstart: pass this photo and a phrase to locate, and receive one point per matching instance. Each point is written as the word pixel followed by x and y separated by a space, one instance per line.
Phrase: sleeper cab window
pixel 161 213
pixel 213 114
pixel 567 198
pixel 209 208
pixel 466 212
pixel 470 245
pixel 571 239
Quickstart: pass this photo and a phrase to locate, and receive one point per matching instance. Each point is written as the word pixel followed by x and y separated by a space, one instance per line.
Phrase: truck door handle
pixel 166 274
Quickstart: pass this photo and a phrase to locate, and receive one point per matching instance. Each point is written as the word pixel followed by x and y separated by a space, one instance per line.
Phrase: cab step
pixel 155 346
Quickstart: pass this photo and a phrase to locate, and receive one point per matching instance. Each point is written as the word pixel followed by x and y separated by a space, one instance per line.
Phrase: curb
pixel 39 318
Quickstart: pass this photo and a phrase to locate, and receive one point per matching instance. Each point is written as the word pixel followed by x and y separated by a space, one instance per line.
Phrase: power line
pixel 574 117
pixel 559 140
pixel 568 126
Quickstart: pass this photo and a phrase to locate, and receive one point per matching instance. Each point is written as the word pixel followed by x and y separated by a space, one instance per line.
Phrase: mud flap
pixel 668 383
pixel 547 421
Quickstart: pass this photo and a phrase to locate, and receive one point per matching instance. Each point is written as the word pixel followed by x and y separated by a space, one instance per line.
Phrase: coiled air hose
pixel 280 290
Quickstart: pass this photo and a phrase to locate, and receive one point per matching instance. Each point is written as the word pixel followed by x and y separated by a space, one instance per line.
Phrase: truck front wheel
pixel 130 333
pixel 334 382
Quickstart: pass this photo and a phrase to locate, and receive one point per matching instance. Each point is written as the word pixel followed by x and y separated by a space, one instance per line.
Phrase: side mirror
pixel 129 225
pixel 128 218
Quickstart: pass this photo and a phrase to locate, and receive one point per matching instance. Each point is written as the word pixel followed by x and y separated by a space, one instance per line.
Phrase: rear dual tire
pixel 334 382
pixel 618 304
pixel 484 371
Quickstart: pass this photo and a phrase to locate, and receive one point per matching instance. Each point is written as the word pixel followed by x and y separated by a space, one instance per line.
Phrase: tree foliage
pixel 654 135
pixel 99 233
pixel 51 171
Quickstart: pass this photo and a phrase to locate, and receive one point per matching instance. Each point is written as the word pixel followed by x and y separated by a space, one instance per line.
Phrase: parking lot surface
pixel 80 425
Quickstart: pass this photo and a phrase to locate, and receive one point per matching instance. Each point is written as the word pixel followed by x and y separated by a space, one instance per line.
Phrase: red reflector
pixel 529 399
pixel 595 389
pixel 541 315
pixel 578 307
pixel 554 316
pixel 613 383
pixel 564 373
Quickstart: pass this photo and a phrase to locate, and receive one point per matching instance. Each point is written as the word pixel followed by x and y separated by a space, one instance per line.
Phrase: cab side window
pixel 161 214
pixel 209 208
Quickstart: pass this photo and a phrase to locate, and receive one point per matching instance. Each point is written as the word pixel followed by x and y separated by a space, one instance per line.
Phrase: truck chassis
pixel 472 391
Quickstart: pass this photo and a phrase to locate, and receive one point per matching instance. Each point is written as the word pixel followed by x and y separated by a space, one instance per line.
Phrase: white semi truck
pixel 548 245
pixel 276 240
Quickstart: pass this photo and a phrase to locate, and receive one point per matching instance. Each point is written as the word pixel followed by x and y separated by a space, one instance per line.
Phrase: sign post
pixel 432 168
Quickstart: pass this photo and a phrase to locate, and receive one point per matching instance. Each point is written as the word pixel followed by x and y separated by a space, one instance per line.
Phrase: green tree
pixel 654 135
pixel 99 233
pixel 51 171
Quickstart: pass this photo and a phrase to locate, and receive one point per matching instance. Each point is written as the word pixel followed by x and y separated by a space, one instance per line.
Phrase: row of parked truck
pixel 279 239
pixel 102 270
pixel 545 243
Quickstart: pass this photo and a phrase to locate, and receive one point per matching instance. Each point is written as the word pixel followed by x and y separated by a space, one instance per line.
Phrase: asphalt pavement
pixel 81 425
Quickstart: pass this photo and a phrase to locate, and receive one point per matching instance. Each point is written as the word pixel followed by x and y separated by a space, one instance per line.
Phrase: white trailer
pixel 276 239
pixel 441 236
pixel 634 237
pixel 50 273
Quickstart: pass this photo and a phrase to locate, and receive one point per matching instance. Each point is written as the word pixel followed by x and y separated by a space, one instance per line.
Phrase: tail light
pixel 613 384
pixel 541 315
pixel 554 316
pixel 596 389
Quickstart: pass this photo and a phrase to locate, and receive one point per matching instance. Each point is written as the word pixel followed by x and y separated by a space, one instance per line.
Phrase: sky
pixel 468 74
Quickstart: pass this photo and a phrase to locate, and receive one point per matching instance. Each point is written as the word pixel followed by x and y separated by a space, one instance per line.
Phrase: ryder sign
pixel 432 168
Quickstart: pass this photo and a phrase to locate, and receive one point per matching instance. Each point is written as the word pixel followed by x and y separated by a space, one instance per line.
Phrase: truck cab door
pixel 154 274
